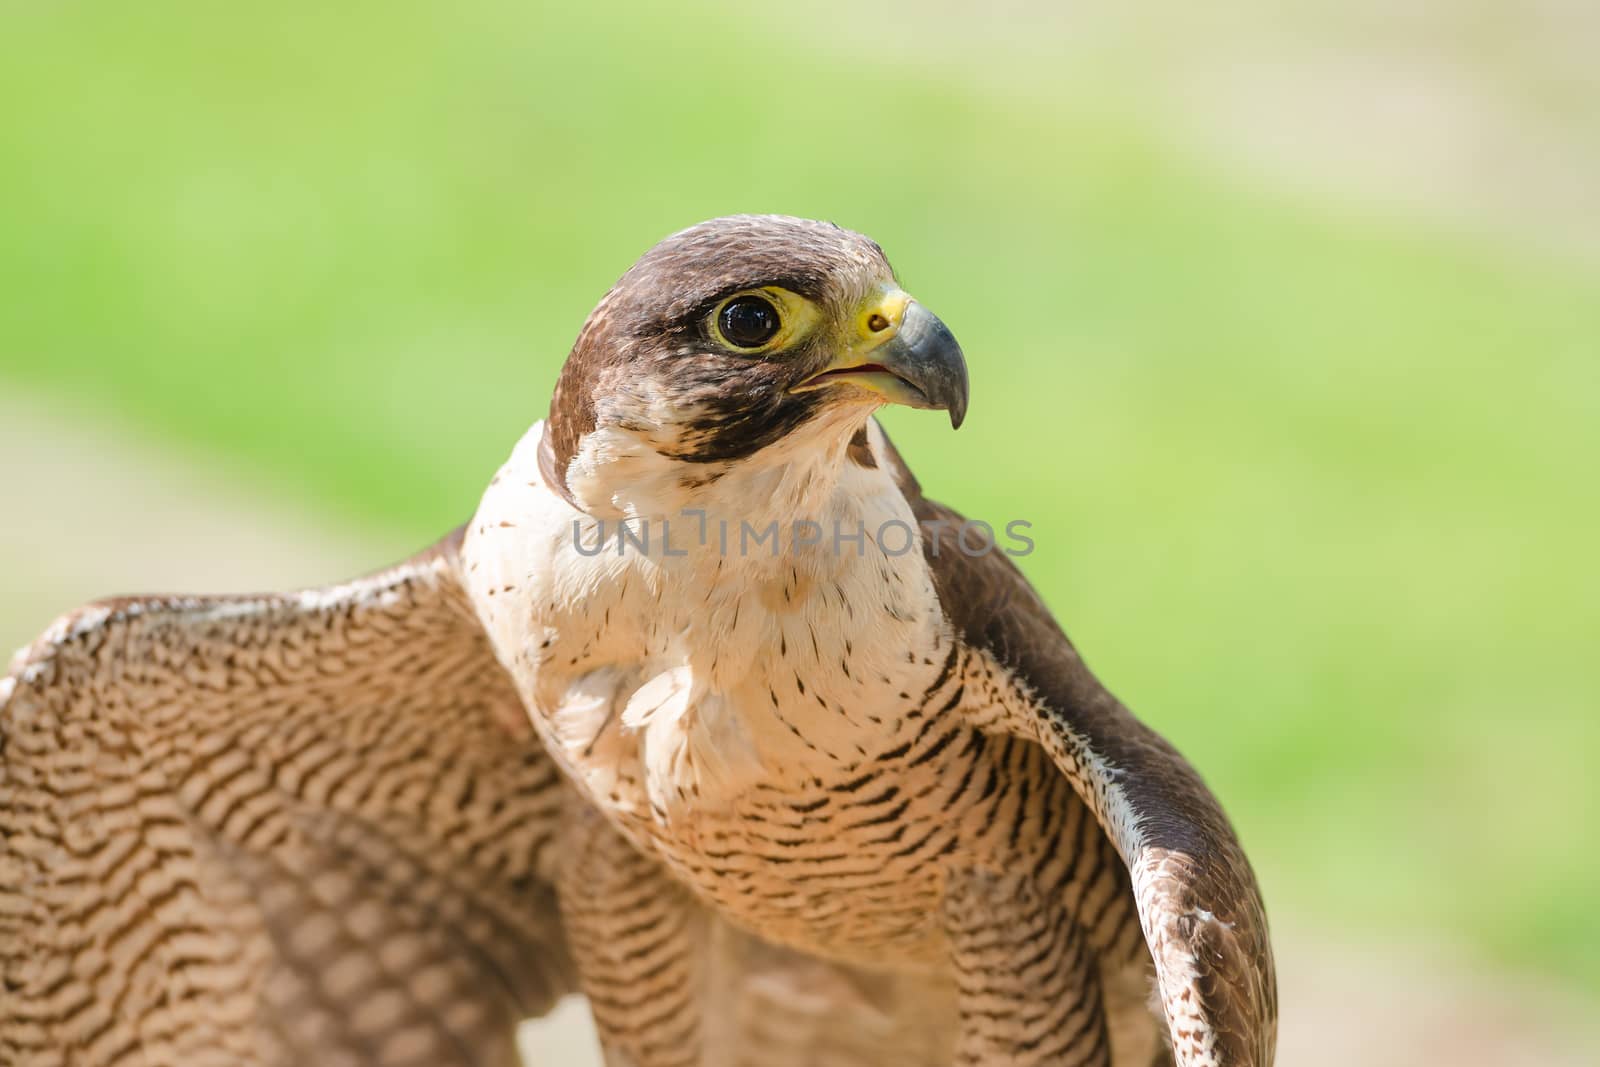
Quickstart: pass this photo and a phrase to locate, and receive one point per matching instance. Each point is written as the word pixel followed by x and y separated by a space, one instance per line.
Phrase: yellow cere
pixel 891 306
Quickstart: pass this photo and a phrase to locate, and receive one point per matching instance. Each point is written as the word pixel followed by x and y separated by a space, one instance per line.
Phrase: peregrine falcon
pixel 708 714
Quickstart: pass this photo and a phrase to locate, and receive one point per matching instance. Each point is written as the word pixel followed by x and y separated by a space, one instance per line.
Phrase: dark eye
pixel 748 322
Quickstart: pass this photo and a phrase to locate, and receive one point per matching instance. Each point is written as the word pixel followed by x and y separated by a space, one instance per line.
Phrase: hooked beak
pixel 906 356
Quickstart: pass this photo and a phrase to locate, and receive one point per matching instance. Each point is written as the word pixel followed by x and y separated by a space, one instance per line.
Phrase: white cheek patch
pixel 617 474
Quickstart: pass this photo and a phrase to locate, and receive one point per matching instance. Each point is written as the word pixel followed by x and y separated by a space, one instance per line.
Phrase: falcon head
pixel 738 335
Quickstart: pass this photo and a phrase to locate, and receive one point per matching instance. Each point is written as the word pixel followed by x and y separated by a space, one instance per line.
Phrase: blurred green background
pixel 1298 383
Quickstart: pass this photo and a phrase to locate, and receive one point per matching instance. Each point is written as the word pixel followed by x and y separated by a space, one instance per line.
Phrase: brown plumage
pixel 273 830
pixel 1202 914
pixel 312 829
pixel 813 808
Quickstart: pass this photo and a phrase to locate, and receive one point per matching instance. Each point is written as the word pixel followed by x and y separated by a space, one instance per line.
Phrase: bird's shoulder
pixel 1197 896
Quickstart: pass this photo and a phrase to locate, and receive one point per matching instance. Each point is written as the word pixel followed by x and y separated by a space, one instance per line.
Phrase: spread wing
pixel 274 830
pixel 1197 898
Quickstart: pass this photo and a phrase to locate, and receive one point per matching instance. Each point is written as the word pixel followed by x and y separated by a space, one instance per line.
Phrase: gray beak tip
pixel 926 355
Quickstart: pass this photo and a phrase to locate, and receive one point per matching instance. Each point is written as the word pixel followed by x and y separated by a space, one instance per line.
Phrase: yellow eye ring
pixel 748 321
pixel 767 319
